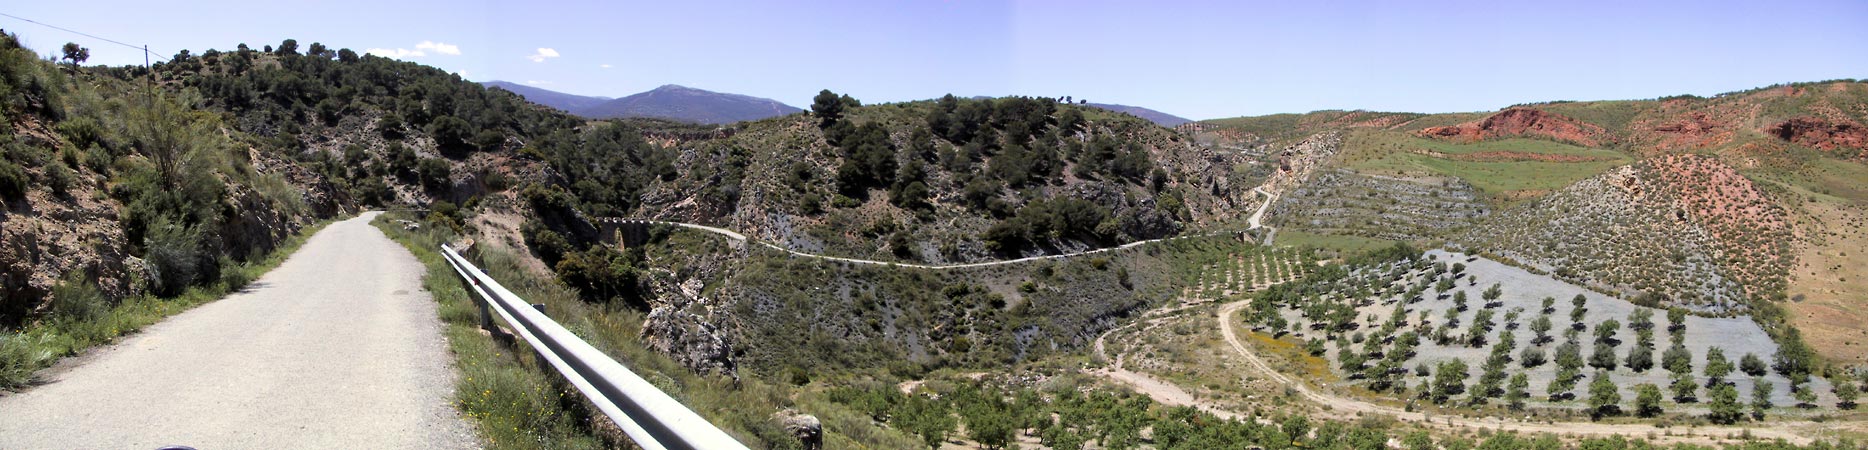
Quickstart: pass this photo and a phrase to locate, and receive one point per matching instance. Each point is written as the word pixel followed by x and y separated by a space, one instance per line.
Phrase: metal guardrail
pixel 649 416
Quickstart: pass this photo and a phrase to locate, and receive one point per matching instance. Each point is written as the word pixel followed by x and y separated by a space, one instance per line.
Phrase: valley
pixel 949 272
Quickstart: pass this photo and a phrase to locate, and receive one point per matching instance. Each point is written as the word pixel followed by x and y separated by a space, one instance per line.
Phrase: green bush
pixel 175 257
pixel 12 180
pixel 59 178
pixel 21 355
pixel 77 298
pixel 234 277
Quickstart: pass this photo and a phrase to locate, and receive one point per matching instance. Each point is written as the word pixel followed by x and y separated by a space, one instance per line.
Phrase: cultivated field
pixel 1355 317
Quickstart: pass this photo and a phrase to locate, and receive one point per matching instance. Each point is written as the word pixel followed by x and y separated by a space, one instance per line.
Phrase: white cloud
pixel 606 66
pixel 397 53
pixel 438 47
pixel 422 49
pixel 462 73
pixel 537 82
pixel 543 53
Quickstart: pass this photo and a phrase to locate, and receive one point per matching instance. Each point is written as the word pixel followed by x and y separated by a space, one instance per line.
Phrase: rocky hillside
pixel 106 185
pixel 948 181
pixel 1677 230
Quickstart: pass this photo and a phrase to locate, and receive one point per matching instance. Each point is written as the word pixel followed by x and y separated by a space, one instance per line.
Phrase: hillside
pixel 1680 230
pixel 1700 203
pixel 982 181
pixel 688 105
pixel 562 101
pixel 1159 118
pixel 113 193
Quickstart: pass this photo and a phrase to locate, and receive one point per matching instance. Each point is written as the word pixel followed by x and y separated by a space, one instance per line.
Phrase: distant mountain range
pixel 1159 118
pixel 667 102
pixel 568 102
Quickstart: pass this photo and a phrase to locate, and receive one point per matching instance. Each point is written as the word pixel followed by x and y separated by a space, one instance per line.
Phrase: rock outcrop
pixel 1519 122
pixel 1824 134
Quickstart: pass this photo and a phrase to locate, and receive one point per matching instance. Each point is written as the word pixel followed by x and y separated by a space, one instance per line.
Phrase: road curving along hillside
pixel 339 347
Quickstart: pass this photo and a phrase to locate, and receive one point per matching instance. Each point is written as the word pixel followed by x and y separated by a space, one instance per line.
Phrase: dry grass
pixel 1830 279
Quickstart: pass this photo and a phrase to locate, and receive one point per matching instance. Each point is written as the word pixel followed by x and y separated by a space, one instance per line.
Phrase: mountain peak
pixel 668 101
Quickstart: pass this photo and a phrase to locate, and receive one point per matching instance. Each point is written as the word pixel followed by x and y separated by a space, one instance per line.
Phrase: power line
pixel 141 48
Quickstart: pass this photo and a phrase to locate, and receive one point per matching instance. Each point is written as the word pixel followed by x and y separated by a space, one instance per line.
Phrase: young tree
pixel 1605 331
pixel 1641 319
pixel 1531 357
pixel 1805 395
pixel 1569 355
pixel 1752 365
pixel 1640 358
pixel 1724 407
pixel 1560 386
pixel 1517 391
pixel 1459 300
pixel 1717 367
pixel 1685 390
pixel 1492 293
pixel 1550 305
pixel 1449 379
pixel 1540 328
pixel 1676 320
pixel 1603 357
pixel 1677 360
pixel 1760 397
pixel 924 417
pixel 1794 358
pixel 1846 392
pixel 1578 300
pixel 1604 397
pixel 76 54
pixel 1647 400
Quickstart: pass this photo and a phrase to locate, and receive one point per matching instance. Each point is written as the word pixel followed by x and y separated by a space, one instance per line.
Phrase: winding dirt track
pixel 730 234
pixel 737 236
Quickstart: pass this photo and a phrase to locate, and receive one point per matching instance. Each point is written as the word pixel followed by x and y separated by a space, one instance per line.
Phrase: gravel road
pixel 337 348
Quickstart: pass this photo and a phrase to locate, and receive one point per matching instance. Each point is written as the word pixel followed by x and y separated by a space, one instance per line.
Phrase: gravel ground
pixel 1736 336
pixel 337 348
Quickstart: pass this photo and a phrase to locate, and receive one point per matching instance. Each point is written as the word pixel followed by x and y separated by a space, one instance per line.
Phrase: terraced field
pixel 1249 271
pixel 1394 327
pixel 1512 168
pixel 1345 202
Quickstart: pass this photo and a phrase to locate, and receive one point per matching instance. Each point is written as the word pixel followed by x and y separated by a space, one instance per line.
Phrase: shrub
pixel 77 298
pixel 173 253
pixel 59 178
pixel 234 277
pixel 21 355
pixel 12 180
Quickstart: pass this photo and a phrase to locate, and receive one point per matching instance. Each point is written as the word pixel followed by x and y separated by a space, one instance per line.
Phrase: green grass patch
pixel 85 320
pixel 1399 153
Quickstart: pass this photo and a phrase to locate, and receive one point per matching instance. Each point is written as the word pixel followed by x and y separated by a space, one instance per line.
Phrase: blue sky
pixel 1195 59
